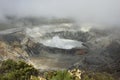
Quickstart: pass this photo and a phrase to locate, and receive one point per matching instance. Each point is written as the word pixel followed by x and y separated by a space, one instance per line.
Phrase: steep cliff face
pixel 12 47
pixel 12 51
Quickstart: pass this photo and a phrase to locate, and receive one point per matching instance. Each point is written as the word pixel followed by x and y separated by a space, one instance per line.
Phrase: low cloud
pixel 105 12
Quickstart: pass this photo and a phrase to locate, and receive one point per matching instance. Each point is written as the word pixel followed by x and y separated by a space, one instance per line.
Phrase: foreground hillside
pixel 11 70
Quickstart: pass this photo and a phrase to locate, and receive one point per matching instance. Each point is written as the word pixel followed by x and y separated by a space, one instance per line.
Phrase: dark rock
pixel 91 60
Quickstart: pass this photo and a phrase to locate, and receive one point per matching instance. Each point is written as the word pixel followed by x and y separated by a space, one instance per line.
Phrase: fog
pixel 104 12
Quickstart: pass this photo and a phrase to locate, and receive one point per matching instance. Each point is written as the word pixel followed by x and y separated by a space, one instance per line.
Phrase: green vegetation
pixel 58 75
pixel 64 75
pixel 11 70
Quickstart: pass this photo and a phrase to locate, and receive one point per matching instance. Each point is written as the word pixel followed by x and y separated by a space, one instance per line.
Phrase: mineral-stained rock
pixel 76 73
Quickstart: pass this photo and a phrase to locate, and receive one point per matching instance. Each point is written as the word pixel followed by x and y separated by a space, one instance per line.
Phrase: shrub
pixel 11 70
pixel 58 75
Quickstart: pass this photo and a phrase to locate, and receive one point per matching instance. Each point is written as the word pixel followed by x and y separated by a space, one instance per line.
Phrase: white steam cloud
pixel 106 12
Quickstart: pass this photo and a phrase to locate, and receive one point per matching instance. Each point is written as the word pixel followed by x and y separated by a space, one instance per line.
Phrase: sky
pixel 84 11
